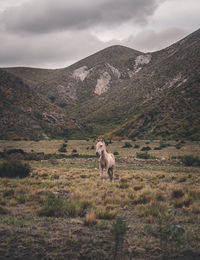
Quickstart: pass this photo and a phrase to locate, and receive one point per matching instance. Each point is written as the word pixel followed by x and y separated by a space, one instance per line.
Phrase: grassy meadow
pixel 64 210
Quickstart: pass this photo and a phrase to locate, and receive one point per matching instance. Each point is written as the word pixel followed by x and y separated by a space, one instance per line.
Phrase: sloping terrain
pixel 169 94
pixel 126 93
pixel 24 114
pixel 83 80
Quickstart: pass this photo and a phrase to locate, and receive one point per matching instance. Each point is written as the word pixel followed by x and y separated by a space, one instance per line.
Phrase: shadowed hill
pixel 24 114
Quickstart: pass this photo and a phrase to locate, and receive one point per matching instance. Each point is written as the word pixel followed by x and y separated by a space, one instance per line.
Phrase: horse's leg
pixel 100 171
pixel 110 173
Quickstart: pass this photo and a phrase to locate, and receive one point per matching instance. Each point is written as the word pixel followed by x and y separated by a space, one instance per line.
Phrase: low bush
pixel 177 193
pixel 190 160
pixel 62 149
pixel 106 214
pixel 146 148
pixel 14 168
pixel 145 155
pixel 57 207
pixel 119 229
pixel 178 146
pixel 127 145
pixel 116 153
pixel 157 148
pixel 136 146
pixel 3 211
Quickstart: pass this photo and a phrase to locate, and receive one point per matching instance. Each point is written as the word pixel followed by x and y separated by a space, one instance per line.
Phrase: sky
pixel 57 33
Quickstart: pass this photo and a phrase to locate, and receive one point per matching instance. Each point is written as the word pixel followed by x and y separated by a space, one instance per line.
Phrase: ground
pixel 63 210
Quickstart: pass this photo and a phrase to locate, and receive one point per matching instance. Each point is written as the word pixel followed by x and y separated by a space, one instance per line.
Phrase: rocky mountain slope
pixel 24 114
pixel 126 93
pixel 85 79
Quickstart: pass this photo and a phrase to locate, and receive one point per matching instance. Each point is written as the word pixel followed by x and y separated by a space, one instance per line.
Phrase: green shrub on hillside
pixel 57 207
pixel 190 160
pixel 14 168
pixel 146 148
pixel 62 149
pixel 127 145
pixel 145 155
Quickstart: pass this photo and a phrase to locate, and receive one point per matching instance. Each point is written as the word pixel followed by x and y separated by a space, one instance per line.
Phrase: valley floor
pixel 63 210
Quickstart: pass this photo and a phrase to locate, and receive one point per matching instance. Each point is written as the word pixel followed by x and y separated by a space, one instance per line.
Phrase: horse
pixel 106 160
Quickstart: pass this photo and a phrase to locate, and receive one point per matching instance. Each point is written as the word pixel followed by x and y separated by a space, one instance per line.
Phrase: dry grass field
pixel 63 210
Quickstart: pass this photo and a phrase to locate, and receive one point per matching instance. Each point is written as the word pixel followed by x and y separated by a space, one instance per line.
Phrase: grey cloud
pixel 150 40
pixel 50 50
pixel 42 16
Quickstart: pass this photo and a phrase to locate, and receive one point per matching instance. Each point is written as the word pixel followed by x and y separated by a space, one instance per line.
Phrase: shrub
pixel 74 151
pixel 119 229
pixel 3 211
pixel 158 148
pixel 57 207
pixel 14 168
pixel 153 211
pixel 116 153
pixel 163 145
pixel 178 146
pixel 127 145
pixel 146 148
pixel 8 193
pixel 136 146
pixel 190 160
pixel 92 147
pixel 106 214
pixel 145 156
pixel 177 193
pixel 62 149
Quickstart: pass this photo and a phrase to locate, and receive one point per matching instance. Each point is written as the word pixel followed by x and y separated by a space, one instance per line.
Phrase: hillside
pixel 126 93
pixel 83 80
pixel 170 104
pixel 24 114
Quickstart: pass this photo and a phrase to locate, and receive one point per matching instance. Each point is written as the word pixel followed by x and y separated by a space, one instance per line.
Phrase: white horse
pixel 106 160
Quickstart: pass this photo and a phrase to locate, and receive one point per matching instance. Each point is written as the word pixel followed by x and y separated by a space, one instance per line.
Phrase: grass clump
pixel 177 193
pixel 57 207
pixel 145 155
pixel 127 145
pixel 143 197
pixel 62 149
pixel 14 168
pixel 146 148
pixel 119 229
pixel 90 219
pixel 152 211
pixel 3 211
pixel 105 213
pixel 190 160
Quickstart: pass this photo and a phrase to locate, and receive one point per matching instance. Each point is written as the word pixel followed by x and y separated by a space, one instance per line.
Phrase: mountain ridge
pixel 127 93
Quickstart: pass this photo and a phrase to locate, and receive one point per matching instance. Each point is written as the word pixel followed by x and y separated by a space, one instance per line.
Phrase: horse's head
pixel 100 146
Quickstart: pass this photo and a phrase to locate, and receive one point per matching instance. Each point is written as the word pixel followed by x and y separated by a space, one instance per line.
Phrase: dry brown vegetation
pixel 63 210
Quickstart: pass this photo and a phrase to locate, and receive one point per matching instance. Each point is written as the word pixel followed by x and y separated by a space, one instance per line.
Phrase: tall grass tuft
pixel 57 207
pixel 119 229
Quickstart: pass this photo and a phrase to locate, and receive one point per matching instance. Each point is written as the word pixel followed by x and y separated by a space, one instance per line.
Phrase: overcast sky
pixel 56 33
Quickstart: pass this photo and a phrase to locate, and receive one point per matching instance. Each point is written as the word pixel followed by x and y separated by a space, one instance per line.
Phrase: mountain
pixel 26 115
pixel 78 82
pixel 121 92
